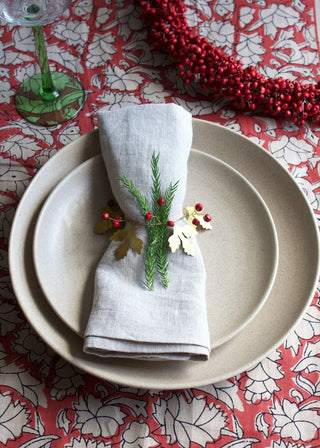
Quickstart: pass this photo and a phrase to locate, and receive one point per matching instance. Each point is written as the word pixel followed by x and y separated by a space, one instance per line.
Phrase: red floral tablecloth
pixel 47 402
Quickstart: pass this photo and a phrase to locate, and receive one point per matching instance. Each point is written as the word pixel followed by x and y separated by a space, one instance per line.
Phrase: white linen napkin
pixel 127 319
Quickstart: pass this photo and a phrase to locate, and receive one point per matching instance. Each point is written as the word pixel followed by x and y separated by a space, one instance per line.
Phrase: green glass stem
pixel 48 92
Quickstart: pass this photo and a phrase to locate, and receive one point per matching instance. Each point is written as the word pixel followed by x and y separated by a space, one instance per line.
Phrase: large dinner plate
pixel 291 294
pixel 240 252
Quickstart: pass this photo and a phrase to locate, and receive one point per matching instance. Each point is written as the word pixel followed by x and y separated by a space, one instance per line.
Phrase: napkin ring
pixel 162 232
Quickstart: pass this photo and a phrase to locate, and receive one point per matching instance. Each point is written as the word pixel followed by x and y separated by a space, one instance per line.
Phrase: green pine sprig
pixel 141 199
pixel 162 252
pixel 156 258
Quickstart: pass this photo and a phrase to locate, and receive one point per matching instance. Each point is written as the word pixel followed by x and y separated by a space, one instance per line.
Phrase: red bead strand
pixel 199 60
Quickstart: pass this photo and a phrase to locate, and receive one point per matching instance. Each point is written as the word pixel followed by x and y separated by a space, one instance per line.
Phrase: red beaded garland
pixel 199 60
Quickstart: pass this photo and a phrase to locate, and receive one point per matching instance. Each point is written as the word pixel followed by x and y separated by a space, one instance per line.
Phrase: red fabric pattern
pixel 47 402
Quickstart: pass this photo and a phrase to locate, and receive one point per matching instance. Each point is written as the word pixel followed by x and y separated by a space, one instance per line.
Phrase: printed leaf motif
pixel 9 318
pixel 310 364
pixel 305 384
pixel 40 442
pixel 100 50
pixel 261 424
pixel 13 417
pixel 138 435
pixel 25 384
pixel 137 407
pixel 226 392
pixel 123 80
pixel 311 405
pixel 64 58
pixel 242 443
pixel 103 16
pixel 20 147
pixel 62 421
pixel 97 418
pixel 185 423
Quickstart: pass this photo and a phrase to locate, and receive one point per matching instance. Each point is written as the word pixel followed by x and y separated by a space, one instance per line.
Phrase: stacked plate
pixel 262 255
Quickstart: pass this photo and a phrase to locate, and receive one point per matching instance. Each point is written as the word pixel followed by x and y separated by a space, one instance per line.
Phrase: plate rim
pixel 81 150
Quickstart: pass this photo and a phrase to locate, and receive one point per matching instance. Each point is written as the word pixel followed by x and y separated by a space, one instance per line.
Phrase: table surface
pixel 47 402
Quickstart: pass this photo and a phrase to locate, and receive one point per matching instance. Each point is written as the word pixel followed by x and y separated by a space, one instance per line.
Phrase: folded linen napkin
pixel 127 319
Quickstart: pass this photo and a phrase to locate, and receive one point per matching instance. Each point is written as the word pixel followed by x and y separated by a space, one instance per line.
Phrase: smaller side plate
pixel 240 252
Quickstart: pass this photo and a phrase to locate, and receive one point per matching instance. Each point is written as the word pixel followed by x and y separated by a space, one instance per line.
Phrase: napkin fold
pixel 127 319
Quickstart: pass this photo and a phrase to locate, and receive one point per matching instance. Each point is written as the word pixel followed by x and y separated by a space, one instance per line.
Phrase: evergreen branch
pixel 156 257
pixel 156 185
pixel 150 258
pixel 169 196
pixel 142 200
pixel 162 256
pixel 162 252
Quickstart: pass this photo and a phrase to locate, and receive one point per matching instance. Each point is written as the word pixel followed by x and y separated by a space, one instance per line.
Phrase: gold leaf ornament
pixel 181 237
pixel 204 224
pixel 102 227
pixel 130 240
pixel 122 250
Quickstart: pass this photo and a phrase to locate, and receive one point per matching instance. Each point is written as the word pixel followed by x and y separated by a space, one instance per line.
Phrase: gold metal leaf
pixel 119 235
pixel 122 250
pixel 204 224
pixel 189 230
pixel 174 242
pixel 136 244
pixel 102 227
pixel 188 246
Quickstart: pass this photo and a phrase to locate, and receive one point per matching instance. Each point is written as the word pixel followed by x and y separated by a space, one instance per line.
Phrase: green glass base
pixel 32 106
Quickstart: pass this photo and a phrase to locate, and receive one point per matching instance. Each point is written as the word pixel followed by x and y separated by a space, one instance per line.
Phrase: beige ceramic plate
pixel 240 253
pixel 293 289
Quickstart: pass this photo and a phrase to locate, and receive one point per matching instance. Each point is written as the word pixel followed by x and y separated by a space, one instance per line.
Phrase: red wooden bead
pixel 198 207
pixel 196 222
pixel 148 216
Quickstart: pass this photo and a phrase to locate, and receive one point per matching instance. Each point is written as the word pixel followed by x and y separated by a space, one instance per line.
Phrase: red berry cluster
pixel 116 221
pixel 199 60
pixel 199 207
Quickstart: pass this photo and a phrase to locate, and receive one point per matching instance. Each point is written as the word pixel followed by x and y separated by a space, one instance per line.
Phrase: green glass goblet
pixel 46 98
